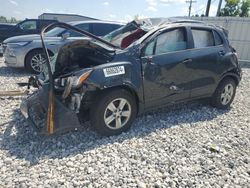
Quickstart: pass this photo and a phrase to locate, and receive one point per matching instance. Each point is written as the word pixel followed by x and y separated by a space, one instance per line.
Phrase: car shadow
pixel 13 72
pixel 20 141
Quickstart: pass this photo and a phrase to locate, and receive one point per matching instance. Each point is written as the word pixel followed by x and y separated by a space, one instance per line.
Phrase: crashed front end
pixel 55 105
pixel 35 109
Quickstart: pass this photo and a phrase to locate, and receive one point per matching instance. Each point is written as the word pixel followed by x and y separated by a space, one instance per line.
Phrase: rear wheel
pixel 224 94
pixel 35 61
pixel 114 112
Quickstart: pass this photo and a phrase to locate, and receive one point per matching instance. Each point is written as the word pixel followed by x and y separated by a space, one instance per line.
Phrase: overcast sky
pixel 123 10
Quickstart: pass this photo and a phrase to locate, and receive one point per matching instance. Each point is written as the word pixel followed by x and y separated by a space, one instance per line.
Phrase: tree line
pixel 3 19
pixel 239 8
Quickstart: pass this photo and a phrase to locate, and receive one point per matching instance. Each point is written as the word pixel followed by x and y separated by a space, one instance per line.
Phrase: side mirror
pixel 65 35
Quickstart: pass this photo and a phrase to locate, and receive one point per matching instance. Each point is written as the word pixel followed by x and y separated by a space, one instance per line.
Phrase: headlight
pixel 11 52
pixel 75 80
pixel 17 44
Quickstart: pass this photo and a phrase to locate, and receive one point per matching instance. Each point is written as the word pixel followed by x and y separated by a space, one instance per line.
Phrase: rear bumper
pixel 35 108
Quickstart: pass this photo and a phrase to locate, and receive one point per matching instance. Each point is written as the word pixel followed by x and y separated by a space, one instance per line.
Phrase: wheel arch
pixel 126 87
pixel 32 50
pixel 231 75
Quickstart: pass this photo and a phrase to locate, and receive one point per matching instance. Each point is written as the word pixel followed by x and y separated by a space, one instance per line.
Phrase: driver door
pixel 166 78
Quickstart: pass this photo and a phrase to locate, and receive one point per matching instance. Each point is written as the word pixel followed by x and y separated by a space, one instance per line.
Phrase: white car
pixel 26 50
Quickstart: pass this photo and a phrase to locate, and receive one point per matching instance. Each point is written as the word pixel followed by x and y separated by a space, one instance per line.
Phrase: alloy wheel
pixel 117 113
pixel 37 62
pixel 227 94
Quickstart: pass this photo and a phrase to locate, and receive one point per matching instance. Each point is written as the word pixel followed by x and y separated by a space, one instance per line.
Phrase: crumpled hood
pixel 25 38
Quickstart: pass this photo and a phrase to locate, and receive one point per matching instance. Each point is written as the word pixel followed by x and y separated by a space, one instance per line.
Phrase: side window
pixel 171 41
pixel 28 25
pixel 85 27
pixel 101 29
pixel 149 49
pixel 45 23
pixel 217 38
pixel 202 38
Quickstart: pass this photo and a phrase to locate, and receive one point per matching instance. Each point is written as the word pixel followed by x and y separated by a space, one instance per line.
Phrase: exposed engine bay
pixel 81 54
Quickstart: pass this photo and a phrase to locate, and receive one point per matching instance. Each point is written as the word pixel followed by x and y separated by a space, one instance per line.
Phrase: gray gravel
pixel 190 145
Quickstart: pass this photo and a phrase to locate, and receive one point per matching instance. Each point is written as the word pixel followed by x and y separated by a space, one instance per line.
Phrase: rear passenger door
pixel 207 56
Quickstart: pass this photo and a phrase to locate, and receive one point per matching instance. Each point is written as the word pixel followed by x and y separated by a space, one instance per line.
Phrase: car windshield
pixel 133 31
pixel 54 32
pixel 118 35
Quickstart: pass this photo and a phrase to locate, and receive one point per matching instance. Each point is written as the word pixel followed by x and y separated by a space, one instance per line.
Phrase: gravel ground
pixel 189 145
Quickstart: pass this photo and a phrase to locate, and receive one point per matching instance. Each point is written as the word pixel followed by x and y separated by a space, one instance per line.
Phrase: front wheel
pixel 224 94
pixel 35 61
pixel 114 112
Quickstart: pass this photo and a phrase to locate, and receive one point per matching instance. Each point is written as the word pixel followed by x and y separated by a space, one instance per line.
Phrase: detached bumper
pixel 35 108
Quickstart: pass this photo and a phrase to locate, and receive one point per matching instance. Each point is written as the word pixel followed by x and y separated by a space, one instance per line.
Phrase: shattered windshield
pixel 134 30
pixel 116 36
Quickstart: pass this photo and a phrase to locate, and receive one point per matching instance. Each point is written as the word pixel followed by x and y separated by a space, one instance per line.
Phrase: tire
pixel 31 60
pixel 224 94
pixel 104 110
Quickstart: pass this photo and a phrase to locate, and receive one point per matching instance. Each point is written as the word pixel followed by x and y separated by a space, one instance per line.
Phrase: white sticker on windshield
pixel 114 71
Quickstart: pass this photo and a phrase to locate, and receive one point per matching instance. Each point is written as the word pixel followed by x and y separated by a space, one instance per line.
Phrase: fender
pixel 236 74
pixel 131 77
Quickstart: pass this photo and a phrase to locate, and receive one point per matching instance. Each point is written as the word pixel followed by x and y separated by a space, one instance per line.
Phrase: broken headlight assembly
pixel 71 87
pixel 73 80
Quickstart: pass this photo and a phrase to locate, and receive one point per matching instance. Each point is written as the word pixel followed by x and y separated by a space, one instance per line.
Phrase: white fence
pixel 239 32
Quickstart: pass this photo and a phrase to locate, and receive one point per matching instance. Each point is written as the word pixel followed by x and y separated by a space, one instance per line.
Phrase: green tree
pixel 13 20
pixel 245 8
pixel 232 8
pixel 3 19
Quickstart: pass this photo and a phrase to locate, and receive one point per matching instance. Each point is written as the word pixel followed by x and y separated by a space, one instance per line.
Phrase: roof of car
pixel 95 21
pixel 150 24
pixel 35 19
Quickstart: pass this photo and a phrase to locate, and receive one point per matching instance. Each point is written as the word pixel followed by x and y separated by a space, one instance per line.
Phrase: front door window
pixel 29 25
pixel 171 41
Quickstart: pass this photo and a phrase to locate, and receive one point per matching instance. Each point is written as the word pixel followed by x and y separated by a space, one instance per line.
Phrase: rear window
pixel 203 38
pixel 217 38
pixel 101 29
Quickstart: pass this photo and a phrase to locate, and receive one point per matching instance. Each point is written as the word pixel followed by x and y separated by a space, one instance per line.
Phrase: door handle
pixel 222 53
pixel 187 61
pixel 173 88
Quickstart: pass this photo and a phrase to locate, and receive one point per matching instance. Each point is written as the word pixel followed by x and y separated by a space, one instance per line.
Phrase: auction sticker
pixel 114 71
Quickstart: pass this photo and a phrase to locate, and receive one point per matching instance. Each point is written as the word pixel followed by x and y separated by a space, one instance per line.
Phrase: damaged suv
pixel 143 65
